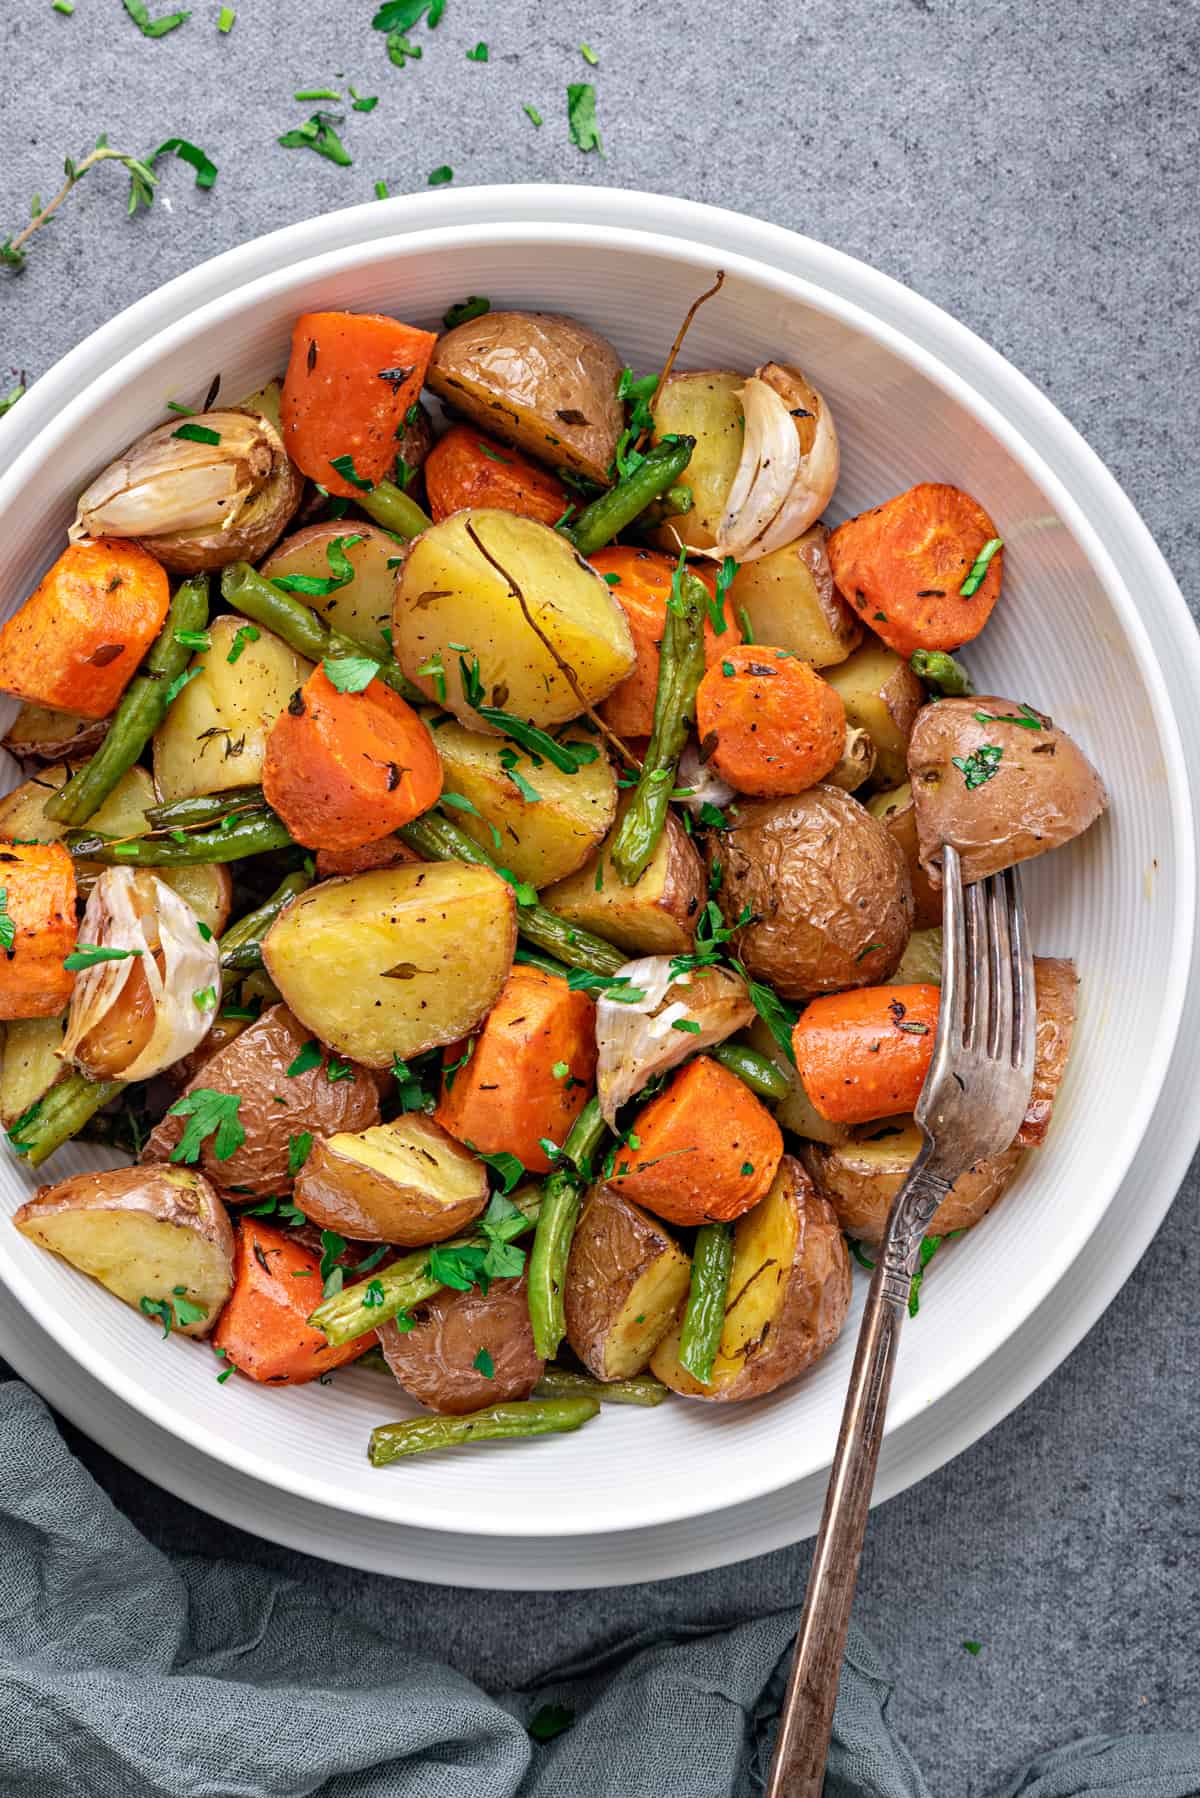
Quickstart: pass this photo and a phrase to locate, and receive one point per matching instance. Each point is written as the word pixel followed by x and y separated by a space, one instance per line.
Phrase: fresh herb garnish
pixel 440 176
pixel 142 182
pixel 373 1295
pixel 345 467
pixel 8 927
pixel 204 998
pixel 332 1276
pixel 618 987
pixel 197 434
pixel 479 53
pixel 979 567
pixel 86 955
pixel 192 154
pixel 457 803
pixel 245 633
pixel 180 682
pixel 581 116
pixel 532 114
pixel 282 1208
pixel 508 761
pixel 688 1024
pixel 178 1310
pixel 501 1162
pixel 484 1364
pixel 350 674
pixel 637 391
pixel 336 1070
pixel 208 1113
pixel 452 1068
pixel 140 14
pixel 568 757
pixel 318 134
pixel 193 639
pixel 972 1647
pixel 308 1058
pixel 856 1249
pixel 320 586
pixel 15 393
pixel 588 54
pixel 299 1148
pixel 1025 717
pixel 470 1264
pixel 979 766
pixel 225 19
pixel 363 102
pixel 716 604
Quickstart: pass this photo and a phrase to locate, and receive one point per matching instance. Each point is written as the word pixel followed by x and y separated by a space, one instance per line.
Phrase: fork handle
pixel 798 1769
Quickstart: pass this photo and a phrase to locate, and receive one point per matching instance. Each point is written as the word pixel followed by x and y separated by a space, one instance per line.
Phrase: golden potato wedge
pixel 921 963
pixel 154 1234
pixel 30 1066
pixel 448 594
pixel 789 1291
pixel 882 696
pixel 796 1112
pixel 444 1360
pixel 999 781
pixel 656 915
pixel 406 1182
pixel 897 814
pixel 626 1279
pixel 396 961
pixel 861 1176
pixel 792 603
pixel 38 734
pixel 364 605
pixel 215 735
pixel 701 403
pixel 1057 987
pixel 541 380
pixel 542 839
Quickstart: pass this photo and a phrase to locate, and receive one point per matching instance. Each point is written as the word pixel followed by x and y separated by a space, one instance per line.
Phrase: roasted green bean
pixel 142 709
pixel 241 946
pixel 257 834
pixel 391 507
pixel 301 629
pixel 562 1194
pixel 758 1072
pixel 700 1337
pixel 203 808
pixel 521 1417
pixel 941 673
pixel 60 1115
pixel 615 510
pixel 561 1382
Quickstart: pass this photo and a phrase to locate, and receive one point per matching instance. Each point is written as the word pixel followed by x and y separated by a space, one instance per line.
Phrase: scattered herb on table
pixel 318 133
pixel 479 53
pixel 532 114
pixel 550 1721
pixel 440 176
pixel 192 154
pixel 15 393
pixel 142 182
pixel 139 12
pixel 581 116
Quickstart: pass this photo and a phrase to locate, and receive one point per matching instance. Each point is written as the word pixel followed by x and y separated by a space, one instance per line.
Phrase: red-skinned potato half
pixel 902 566
pixel 346 768
pixel 350 381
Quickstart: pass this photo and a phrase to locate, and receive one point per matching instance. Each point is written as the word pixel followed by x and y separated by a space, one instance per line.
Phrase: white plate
pixel 689 1467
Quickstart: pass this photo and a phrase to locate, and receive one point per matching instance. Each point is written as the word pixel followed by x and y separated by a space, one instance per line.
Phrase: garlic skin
pixel 857 762
pixel 196 505
pixel 703 786
pixel 133 909
pixel 789 466
pixel 636 1041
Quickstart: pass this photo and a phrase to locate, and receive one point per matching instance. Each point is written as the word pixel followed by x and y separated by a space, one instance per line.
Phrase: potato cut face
pixel 448 594
pixel 542 839
pixel 396 961
pixel 364 605
pixel 406 1182
pixel 626 1279
pixel 704 404
pixel 647 1314
pixel 30 1064
pixel 921 963
pixel 215 735
pixel 792 603
pixel 656 915
pixel 882 696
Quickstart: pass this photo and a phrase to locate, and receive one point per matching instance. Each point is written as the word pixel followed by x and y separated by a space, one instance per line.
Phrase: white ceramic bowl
pixel 1067 636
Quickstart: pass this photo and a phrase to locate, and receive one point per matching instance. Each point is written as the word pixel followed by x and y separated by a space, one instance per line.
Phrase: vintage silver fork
pixel 971 1106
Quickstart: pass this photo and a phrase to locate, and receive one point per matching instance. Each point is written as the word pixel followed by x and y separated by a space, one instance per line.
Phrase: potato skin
pixel 861 1178
pixel 337 1192
pixel 616 1245
pixel 255 1065
pixel 828 888
pixel 540 380
pixel 656 915
pixel 897 813
pixel 434 1360
pixel 1057 987
pixel 1044 791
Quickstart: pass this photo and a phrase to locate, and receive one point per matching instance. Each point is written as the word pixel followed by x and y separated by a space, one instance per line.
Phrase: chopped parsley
pixel 299 1148
pixel 688 1024
pixel 245 633
pixel 972 1647
pixel 178 1310
pixel 225 19
pixel 471 1264
pixel 308 1058
pixel 193 639
pixel 501 1162
pixel 208 1113
pixel 452 1068
pixel 344 465
pixel 8 926
pixel 637 391
pixel 318 133
pixel 979 567
pixel 588 54
pixel 508 761
pixel 618 987
pixel 441 176
pixel 341 571
pixel 532 114
pixel 204 998
pixel 180 682
pixel 859 1254
pixel 332 1276
pixel 979 766
pixel 567 757
pixel 139 12
pixel 550 1721
pixel 197 159
pixel 1024 716
pixel 479 53
pixel 561 1069
pixel 338 1070
pixel 747 1169
pixel 458 803
pixel 197 434
pixel 86 955
pixel 716 603
pixel 363 102
pixel 581 116
pixel 484 1364
pixel 282 1208
pixel 373 1295
pixel 350 674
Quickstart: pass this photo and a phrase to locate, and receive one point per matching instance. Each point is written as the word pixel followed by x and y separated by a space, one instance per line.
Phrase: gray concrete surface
pixel 1031 168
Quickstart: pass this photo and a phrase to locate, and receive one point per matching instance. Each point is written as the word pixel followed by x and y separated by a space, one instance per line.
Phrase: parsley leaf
pixel 972 1647
pixel 180 682
pixel 341 571
pixel 581 116
pixel 86 955
pixel 197 434
pixel 716 605
pixel 501 1162
pixel 8 926
pixel 308 1058
pixel 532 113
pixel 283 1209
pixel 344 465
pixel 350 674
pixel 299 1148
pixel 196 158
pixel 332 1276
pixel 212 1114
pixel 441 176
pixel 452 1067
pixel 979 567
pixel 484 1364
pixel 245 633
pixel 979 766
pixel 318 134
pixel 474 307
pixel 139 12
pixel 373 1295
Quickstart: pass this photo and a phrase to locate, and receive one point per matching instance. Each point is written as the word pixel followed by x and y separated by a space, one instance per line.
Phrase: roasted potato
pixel 277 1108
pixel 38 734
pixel 406 1182
pixel 1057 986
pixel 363 607
pixel 897 813
pixel 789 1291
pixel 215 735
pixel 626 1279
pixel 656 915
pixel 796 1112
pixel 792 603
pixel 444 1360
pixel 882 696
pixel 31 1064
pixel 397 961
pixel 861 1176
pixel 827 888
pixel 448 594
pixel 704 404
pixel 157 1234
pixel 542 838
pixel 921 963
pixel 206 886
pixel 540 380
pixel 999 781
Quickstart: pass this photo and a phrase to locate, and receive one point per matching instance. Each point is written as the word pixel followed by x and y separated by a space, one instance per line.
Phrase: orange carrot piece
pixel 703 1150
pixel 864 1054
pixel 642 588
pixel 464 468
pixel 37 929
pixel 351 378
pixel 767 723
pixel 264 1329
pixel 76 642
pixel 387 852
pixel 508 1095
pixel 344 769
pixel 901 566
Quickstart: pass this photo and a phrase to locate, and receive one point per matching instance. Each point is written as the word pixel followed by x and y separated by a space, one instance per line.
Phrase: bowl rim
pixel 89 398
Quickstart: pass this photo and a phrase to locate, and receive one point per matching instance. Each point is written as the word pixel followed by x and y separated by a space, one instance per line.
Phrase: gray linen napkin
pixel 125 1673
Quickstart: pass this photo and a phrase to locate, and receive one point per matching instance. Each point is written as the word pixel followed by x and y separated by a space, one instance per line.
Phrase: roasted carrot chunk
pixel 902 567
pixel 347 768
pixel 37 929
pixel 767 723
pixel 76 642
pixel 642 587
pixel 466 468
pixel 351 379
pixel 702 1151
pixel 528 1073
pixel 864 1054
pixel 264 1330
